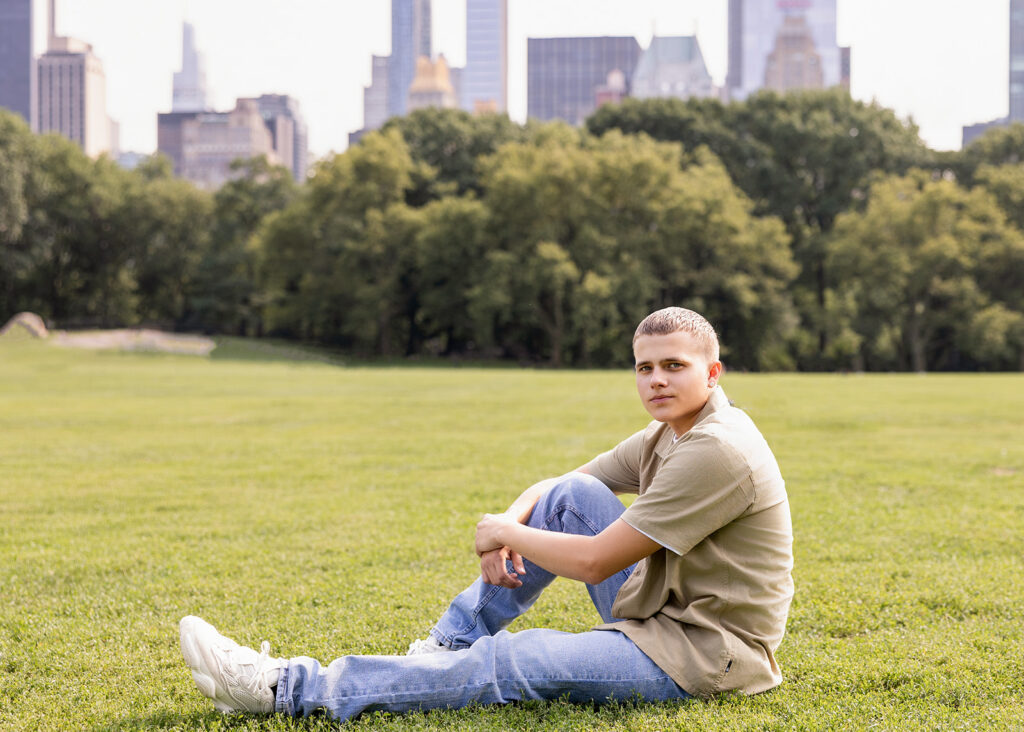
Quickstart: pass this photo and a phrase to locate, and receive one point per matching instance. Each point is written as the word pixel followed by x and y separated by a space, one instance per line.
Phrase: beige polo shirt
pixel 710 607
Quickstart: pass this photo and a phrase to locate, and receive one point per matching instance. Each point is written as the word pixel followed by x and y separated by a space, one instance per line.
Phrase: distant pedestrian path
pixel 30 324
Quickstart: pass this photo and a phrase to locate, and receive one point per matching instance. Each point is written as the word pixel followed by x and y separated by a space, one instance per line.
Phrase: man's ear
pixel 714 372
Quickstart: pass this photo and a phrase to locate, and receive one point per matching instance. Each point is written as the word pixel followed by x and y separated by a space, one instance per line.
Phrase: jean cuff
pixel 282 701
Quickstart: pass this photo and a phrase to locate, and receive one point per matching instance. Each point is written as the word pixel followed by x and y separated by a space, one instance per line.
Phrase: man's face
pixel 674 378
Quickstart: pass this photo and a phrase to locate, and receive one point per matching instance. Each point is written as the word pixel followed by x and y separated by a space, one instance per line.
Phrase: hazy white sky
pixel 942 62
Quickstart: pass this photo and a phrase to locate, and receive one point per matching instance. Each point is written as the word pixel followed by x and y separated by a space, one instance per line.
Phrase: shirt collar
pixel 717 400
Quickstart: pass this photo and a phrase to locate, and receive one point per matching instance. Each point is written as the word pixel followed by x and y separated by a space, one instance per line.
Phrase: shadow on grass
pixel 212 720
pixel 252 349
pixel 169 720
pixel 558 714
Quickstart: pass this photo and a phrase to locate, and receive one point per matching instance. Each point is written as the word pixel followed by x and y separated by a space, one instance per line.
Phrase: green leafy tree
pixel 1006 183
pixel 539 196
pixel 716 257
pixel 334 263
pixel 15 156
pixel 224 295
pixel 804 157
pixel 291 267
pixel 155 167
pixel 999 267
pixel 693 123
pixel 166 223
pixel 996 337
pixel 451 248
pixel 595 232
pixel 377 269
pixel 998 146
pixel 82 271
pixel 446 144
pixel 910 261
pixel 17 153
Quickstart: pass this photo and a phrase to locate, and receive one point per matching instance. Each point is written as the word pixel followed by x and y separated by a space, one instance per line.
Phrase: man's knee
pixel 577 489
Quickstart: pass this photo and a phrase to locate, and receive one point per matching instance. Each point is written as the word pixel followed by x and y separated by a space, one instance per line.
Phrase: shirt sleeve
pixel 702 485
pixel 619 468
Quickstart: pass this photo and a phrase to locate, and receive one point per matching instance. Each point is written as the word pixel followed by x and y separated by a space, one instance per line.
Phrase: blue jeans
pixel 491 665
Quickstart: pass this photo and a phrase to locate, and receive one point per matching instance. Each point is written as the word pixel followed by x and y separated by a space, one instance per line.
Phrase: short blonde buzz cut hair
pixel 673 320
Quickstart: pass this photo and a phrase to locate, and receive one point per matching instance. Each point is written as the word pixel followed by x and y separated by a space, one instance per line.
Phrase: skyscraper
pixel 73 92
pixel 782 44
pixel 17 65
pixel 73 96
pixel 563 75
pixel 190 83
pixel 844 67
pixel 375 96
pixel 288 127
pixel 375 99
pixel 485 78
pixel 410 39
pixel 734 73
pixel 794 62
pixel 1017 60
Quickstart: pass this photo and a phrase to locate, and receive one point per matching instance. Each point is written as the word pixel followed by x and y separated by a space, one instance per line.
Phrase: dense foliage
pixel 815 231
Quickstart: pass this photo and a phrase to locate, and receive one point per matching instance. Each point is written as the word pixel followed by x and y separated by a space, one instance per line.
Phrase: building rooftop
pixel 431 76
pixel 668 50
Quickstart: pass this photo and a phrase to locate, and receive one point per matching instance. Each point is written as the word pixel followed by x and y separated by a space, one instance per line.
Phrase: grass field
pixel 330 510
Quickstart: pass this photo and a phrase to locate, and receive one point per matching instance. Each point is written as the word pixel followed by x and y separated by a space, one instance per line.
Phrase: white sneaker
pixel 236 678
pixel 426 645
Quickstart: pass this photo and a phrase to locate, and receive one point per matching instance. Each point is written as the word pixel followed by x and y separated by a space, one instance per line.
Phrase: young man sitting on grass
pixel 692 580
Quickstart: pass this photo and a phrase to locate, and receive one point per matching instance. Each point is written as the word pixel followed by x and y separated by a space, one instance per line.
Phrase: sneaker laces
pixel 424 646
pixel 262 668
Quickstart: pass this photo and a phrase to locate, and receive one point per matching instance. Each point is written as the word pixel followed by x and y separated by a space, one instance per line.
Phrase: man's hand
pixel 493 552
pixel 493 569
pixel 487 531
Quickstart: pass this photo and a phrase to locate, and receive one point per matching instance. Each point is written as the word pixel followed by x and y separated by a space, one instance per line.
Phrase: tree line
pixel 815 231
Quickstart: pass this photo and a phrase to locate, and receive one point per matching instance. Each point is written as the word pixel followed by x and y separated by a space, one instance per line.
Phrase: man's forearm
pixel 522 507
pixel 567 555
pixel 591 559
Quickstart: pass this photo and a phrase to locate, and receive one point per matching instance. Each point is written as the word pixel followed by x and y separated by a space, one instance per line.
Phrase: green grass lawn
pixel 331 509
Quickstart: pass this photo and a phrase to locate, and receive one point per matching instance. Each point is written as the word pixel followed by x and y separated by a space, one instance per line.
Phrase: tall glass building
pixel 1017 60
pixel 189 90
pixel 563 75
pixel 768 40
pixel 410 39
pixel 73 95
pixel 375 96
pixel 17 65
pixel 485 78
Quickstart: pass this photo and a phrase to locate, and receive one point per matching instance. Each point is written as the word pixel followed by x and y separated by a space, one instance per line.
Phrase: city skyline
pixel 954 65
